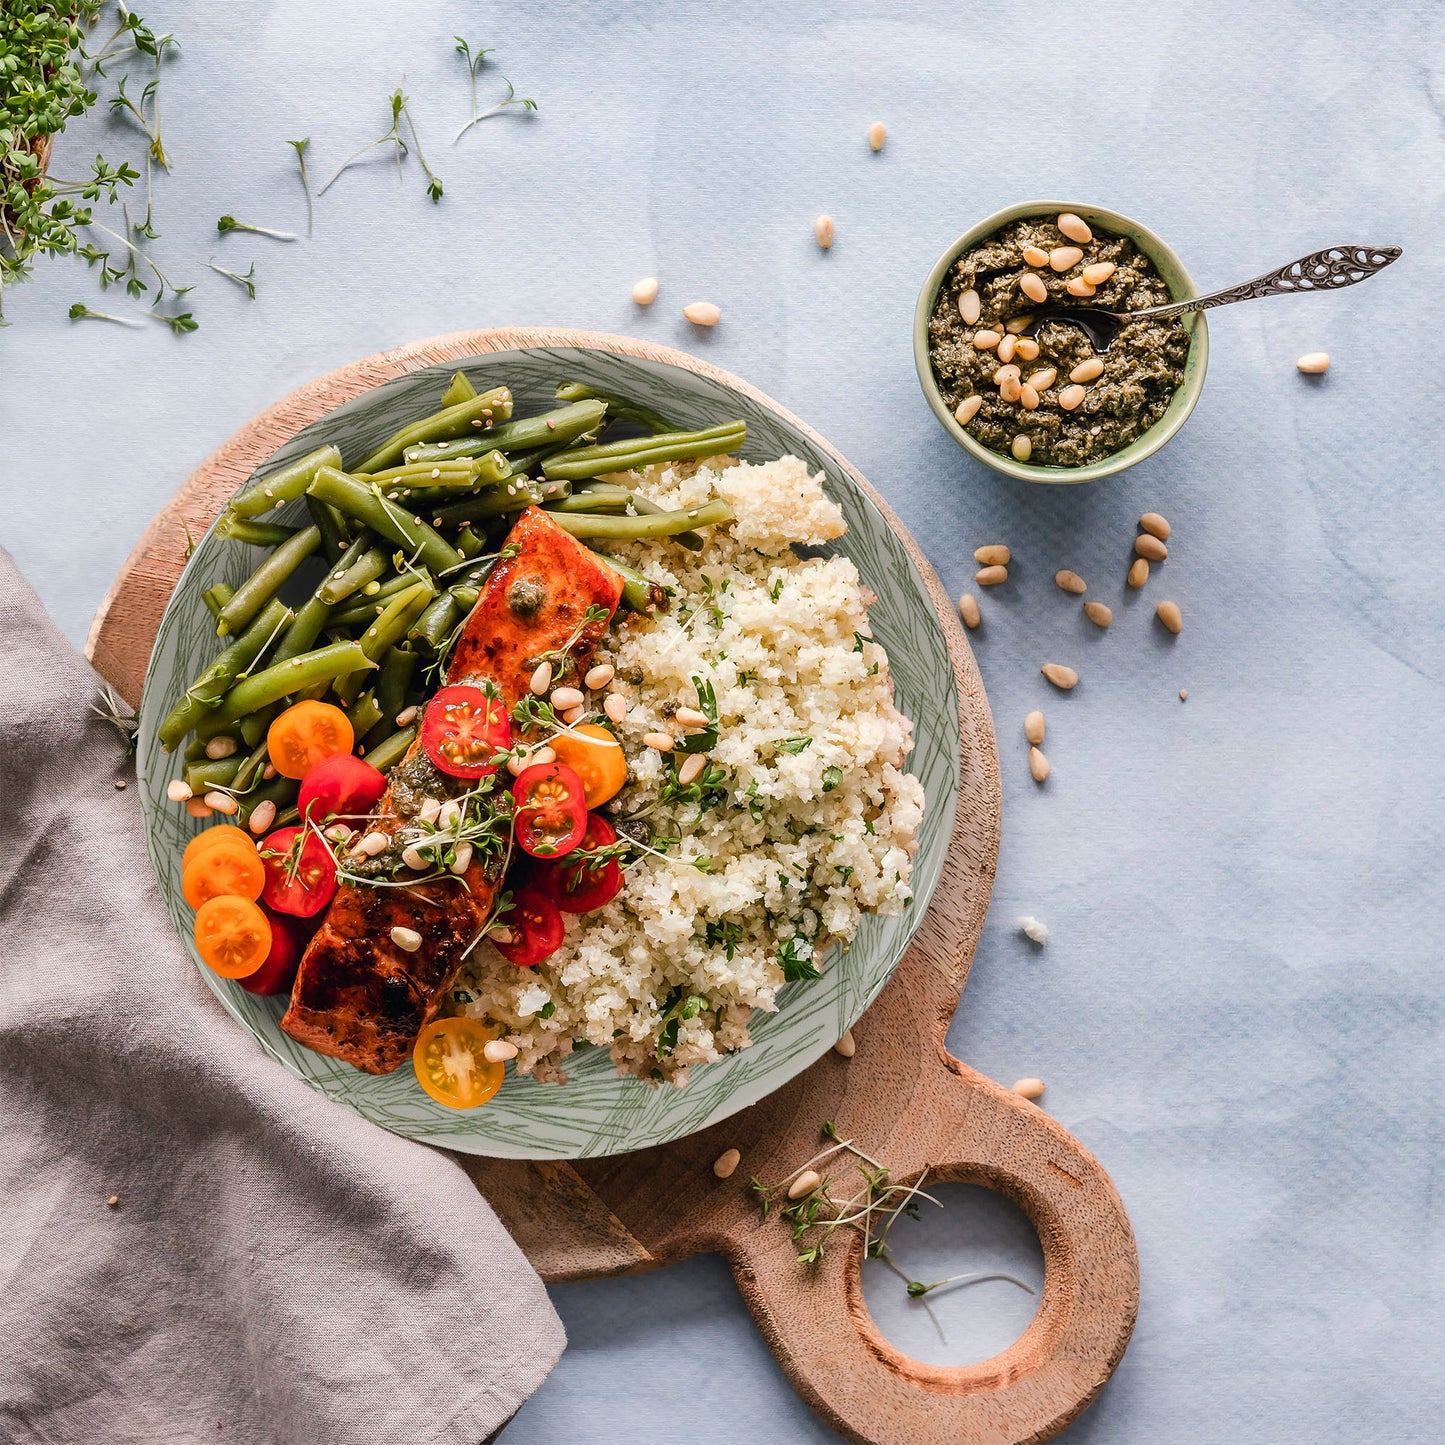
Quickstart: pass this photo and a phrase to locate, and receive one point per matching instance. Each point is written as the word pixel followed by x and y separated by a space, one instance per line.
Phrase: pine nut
pixel 502 934
pixel 645 291
pixel 995 554
pixel 463 860
pixel 615 706
pixel 565 697
pixel 1006 348
pixel 967 409
pixel 220 747
pixel 1043 378
pixel 1038 765
pixel 1155 525
pixel 407 939
pixel 1028 1088
pixel 574 715
pixel 1070 582
pixel 1027 348
pixel 520 760
pixel 970 307
pixel 262 816
pixel 1035 256
pixel 1074 227
pixel 823 230
pixel 805 1183
pixel 1088 369
pixel 498 1051
pixel 1077 286
pixel 968 610
pixel 1028 397
pixel 702 313
pixel 598 677
pixel 269 771
pixel 1099 614
pixel 1010 389
pixel 339 833
pixel 449 815
pixel 178 790
pixel 372 844
pixel 415 859
pixel 1148 545
pixel 847 1046
pixel 406 716
pixel 726 1163
pixel 1018 325
pixel 429 809
pixel 543 756
pixel 693 765
pixel 1005 373
pixel 1168 613
pixel 661 741
pixel 1063 678
pixel 1071 396
pixel 541 679
pixel 1033 287
pixel 1314 363
pixel 1062 257
pixel 1183 695
pixel 877 134
pixel 986 340
pixel 198 808
pixel 991 576
pixel 1099 272
pixel 690 717
pixel 1034 727
pixel 1022 448
pixel 221 803
pixel 1138 573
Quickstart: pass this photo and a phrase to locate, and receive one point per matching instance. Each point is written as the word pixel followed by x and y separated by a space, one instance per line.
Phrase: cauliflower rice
pixel 805 818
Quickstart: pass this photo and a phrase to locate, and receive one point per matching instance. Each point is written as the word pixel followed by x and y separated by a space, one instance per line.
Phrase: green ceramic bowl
pixel 596 1112
pixel 1169 266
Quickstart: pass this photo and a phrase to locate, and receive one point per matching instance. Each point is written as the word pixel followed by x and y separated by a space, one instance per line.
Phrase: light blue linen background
pixel 1240 1005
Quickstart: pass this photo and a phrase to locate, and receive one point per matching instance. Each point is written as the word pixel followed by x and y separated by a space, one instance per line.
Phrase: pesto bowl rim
pixel 1180 288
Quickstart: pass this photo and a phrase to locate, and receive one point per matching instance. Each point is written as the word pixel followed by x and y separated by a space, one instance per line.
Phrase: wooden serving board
pixel 902 1097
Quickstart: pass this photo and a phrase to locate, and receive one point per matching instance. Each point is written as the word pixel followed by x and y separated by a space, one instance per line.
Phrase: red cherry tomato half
pixel 534 929
pixel 551 814
pixel 302 882
pixel 577 885
pixel 289 937
pixel 341 785
pixel 463 729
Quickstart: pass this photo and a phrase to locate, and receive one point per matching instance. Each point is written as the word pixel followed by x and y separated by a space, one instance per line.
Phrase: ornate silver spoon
pixel 1319 271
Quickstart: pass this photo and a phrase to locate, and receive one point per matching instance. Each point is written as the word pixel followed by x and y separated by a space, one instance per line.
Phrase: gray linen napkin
pixel 276 1269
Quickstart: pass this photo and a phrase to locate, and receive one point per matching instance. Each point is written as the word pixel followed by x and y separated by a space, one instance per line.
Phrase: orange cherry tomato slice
pixel 210 837
pixel 233 936
pixel 595 757
pixel 450 1065
pixel 225 871
pixel 305 734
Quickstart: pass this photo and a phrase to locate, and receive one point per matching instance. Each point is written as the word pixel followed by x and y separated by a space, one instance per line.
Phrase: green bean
pixel 458 471
pixel 251 769
pixel 461 420
pixel 602 499
pixel 642 507
pixel 553 428
pixel 281 679
pixel 496 501
pixel 332 525
pixel 460 390
pixel 637 452
pixel 346 579
pixel 638 593
pixel 309 623
pixel 466 596
pixel 216 598
pixel 254 534
pixel 359 501
pixel 255 726
pixel 435 625
pixel 365 714
pixel 394 623
pixel 284 485
pixel 385 757
pixel 206 692
pixel 617 406
pixel 278 790
pixel 468 543
pixel 210 773
pixel 258 589
pixel 392 682
pixel 633 529
pixel 366 607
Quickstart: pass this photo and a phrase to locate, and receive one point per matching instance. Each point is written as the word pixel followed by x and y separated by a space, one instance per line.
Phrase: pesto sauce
pixel 1142 369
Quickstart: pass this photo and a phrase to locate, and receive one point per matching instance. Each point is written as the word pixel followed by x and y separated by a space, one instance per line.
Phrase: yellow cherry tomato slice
pixel 306 734
pixel 233 936
pixel 596 758
pixel 450 1065
pixel 226 871
pixel 221 833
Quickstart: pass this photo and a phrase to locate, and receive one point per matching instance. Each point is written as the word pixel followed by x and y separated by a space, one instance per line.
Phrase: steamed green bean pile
pixel 408 533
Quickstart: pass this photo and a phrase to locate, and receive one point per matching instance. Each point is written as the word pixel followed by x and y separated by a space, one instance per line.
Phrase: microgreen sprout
pixel 561 657
pixel 123 719
pixel 246 282
pixel 123 104
pixel 300 146
pixel 179 324
pixel 474 62
pixel 230 223
pixel 129 273
pixel 398 103
pixel 81 312
pixel 433 181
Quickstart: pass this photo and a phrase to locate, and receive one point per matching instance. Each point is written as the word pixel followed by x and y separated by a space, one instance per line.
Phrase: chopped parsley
pixel 794 745
pixel 795 958
pixel 728 935
pixel 832 777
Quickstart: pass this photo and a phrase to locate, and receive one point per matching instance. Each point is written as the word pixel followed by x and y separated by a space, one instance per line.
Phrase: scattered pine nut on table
pixel 995 554
pixel 1138 573
pixel 1063 678
pixel 1098 613
pixel 846 1046
pixel 1028 1088
pixel 968 610
pixel 991 576
pixel 702 313
pixel 1168 613
pixel 823 230
pixel 877 134
pixel 1034 727
pixel 1038 765
pixel 726 1163
pixel 1070 582
pixel 644 293
pixel 1314 363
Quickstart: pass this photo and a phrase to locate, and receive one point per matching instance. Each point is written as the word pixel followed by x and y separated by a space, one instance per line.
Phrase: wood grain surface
pixel 902 1097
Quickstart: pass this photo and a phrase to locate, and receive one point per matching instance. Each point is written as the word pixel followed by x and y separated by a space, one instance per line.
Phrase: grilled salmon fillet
pixel 357 995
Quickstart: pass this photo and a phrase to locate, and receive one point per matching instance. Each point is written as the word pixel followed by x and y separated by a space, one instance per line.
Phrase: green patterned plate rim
pixel 596 1112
